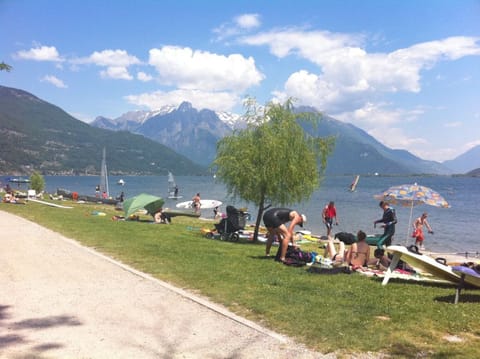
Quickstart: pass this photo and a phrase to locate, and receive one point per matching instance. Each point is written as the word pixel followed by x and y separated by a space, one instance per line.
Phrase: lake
pixel 456 229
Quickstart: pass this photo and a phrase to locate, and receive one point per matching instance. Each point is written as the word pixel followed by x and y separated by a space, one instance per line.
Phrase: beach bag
pixel 293 262
pixel 299 255
pixel 347 238
pixel 296 257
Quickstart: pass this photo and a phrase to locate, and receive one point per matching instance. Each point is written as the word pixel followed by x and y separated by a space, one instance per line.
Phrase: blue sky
pixel 406 71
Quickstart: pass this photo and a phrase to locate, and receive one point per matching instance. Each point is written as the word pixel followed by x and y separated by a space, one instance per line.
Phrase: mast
pixel 104 175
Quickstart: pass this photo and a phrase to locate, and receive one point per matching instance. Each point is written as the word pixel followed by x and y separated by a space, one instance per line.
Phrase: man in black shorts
pixel 274 219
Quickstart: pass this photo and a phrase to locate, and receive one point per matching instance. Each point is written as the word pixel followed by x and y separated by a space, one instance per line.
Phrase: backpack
pixel 296 257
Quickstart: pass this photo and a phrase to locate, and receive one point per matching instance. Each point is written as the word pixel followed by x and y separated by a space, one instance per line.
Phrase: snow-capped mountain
pixel 131 120
pixel 183 128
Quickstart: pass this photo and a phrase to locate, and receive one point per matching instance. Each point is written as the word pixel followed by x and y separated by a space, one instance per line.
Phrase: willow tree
pixel 37 182
pixel 273 160
pixel 5 67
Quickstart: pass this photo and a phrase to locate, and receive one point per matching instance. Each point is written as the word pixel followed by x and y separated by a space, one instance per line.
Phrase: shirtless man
pixel 418 230
pixel 275 219
pixel 196 204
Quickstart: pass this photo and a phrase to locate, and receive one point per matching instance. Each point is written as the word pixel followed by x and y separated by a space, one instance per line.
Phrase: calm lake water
pixel 457 228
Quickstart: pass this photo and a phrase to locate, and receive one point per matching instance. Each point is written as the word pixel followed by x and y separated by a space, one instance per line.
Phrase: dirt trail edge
pixel 59 299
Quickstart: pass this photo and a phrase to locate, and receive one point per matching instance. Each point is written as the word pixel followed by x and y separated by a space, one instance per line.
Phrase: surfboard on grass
pixel 205 203
pixel 421 263
pixel 48 203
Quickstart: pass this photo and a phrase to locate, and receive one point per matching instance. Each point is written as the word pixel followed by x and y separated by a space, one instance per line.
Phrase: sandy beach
pixel 62 300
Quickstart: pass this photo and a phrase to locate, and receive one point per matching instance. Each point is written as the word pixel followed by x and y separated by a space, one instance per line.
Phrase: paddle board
pixel 471 276
pixel 180 212
pixel 48 203
pixel 175 197
pixel 205 203
pixel 421 263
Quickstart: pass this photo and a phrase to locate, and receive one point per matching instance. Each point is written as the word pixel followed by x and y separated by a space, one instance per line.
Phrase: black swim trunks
pixel 275 217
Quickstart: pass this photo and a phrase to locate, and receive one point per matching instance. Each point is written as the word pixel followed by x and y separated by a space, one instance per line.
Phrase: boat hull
pixel 80 197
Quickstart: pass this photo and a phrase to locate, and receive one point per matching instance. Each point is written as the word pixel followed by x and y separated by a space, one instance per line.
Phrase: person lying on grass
pixel 356 256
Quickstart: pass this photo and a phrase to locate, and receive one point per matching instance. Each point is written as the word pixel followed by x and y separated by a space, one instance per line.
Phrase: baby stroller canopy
pixel 234 222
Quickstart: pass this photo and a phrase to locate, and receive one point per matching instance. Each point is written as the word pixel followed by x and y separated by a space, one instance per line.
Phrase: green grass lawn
pixel 345 313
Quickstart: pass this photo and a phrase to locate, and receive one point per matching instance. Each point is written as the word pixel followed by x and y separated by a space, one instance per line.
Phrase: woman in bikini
pixel 357 256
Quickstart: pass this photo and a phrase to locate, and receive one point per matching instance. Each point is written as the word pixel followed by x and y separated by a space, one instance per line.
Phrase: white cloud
pixel 115 61
pixel 240 24
pixel 116 72
pixel 348 75
pixel 110 58
pixel 54 81
pixel 43 53
pixel 201 70
pixel 248 21
pixel 219 101
pixel 142 76
pixel 453 124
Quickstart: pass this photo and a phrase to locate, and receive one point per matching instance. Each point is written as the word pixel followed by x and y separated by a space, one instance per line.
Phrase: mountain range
pixel 184 129
pixel 195 133
pixel 37 135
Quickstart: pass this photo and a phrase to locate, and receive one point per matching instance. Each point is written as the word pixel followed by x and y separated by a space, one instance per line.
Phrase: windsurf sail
pixel 353 186
pixel 104 175
pixel 172 186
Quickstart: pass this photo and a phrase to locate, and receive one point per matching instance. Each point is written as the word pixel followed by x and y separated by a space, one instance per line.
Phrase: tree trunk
pixel 259 219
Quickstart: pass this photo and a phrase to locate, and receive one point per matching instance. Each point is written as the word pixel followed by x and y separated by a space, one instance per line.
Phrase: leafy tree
pixel 273 160
pixel 5 67
pixel 37 182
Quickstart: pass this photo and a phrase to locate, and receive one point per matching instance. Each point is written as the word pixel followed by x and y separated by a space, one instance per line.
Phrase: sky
pixel 405 71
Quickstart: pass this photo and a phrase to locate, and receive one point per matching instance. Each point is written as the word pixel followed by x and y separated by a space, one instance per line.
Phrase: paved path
pixel 59 299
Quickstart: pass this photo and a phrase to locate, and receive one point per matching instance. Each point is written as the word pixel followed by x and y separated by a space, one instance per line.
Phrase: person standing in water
pixel 389 219
pixel 329 213
pixel 418 230
pixel 196 204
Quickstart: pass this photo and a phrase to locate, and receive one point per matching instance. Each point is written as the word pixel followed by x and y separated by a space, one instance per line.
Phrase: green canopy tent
pixel 143 201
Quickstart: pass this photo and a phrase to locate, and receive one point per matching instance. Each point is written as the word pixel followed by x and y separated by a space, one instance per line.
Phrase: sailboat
pixel 353 186
pixel 172 187
pixel 104 190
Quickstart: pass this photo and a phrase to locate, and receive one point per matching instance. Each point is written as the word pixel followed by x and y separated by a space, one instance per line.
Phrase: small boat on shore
pixel 75 196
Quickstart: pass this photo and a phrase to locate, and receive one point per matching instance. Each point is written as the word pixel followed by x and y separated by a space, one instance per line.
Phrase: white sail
pixel 171 184
pixel 104 175
pixel 353 186
pixel 172 187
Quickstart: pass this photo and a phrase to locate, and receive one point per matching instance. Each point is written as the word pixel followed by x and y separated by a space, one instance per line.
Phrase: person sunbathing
pixel 357 255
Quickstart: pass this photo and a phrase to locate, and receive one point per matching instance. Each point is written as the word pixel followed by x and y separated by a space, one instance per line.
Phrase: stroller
pixel 228 227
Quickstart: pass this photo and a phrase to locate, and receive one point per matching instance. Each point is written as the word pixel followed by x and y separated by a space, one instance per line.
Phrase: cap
pixel 304 219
